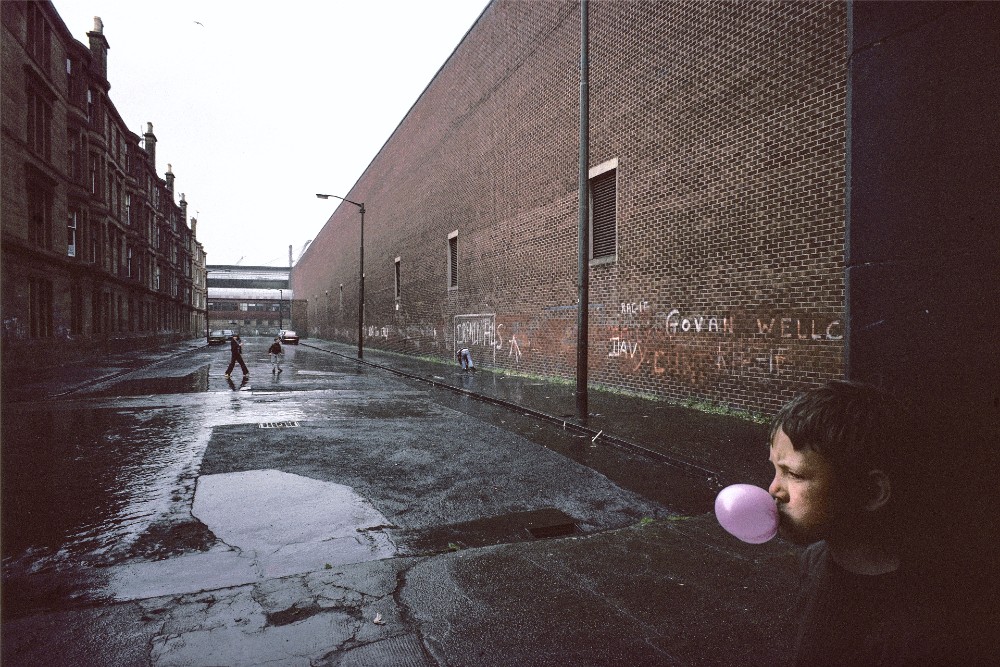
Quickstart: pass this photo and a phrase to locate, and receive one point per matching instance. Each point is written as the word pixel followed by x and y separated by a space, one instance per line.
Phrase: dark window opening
pixel 39 308
pixel 397 280
pixel 603 219
pixel 453 261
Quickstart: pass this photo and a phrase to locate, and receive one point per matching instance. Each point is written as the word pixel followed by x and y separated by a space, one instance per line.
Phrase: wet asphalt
pixel 393 511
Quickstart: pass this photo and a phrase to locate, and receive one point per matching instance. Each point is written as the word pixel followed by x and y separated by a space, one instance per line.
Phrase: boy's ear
pixel 879 488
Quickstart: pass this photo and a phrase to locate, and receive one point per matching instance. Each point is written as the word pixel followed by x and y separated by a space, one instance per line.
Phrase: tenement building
pixel 97 252
pixel 716 187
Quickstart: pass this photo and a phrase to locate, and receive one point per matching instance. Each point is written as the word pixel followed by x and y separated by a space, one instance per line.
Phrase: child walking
pixel 275 353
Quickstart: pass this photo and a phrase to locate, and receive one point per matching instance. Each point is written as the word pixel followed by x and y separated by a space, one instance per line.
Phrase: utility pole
pixel 583 263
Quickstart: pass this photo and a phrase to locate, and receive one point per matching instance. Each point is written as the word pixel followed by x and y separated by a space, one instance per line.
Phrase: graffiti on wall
pixel 482 333
pixel 13 328
pixel 693 347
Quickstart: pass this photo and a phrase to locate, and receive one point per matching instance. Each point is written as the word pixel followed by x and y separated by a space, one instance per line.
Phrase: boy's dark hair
pixel 855 427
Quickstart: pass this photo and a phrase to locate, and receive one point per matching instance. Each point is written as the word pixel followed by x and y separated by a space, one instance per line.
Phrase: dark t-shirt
pixel 853 619
pixel 912 616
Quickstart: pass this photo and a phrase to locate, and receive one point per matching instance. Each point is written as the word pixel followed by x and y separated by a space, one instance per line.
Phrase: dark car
pixel 289 336
pixel 220 336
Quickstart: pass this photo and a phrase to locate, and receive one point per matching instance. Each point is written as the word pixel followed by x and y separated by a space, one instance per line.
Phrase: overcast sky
pixel 258 105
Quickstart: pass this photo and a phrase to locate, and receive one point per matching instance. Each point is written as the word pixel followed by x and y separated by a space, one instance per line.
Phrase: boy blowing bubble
pixel 840 454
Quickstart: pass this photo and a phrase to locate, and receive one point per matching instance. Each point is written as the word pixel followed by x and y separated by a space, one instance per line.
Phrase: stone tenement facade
pixel 717 153
pixel 97 254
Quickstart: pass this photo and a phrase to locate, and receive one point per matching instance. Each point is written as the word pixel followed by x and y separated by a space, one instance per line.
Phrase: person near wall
pixel 274 352
pixel 843 482
pixel 236 356
pixel 464 358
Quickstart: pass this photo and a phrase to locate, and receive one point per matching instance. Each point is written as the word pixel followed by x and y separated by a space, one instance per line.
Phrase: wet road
pixel 107 475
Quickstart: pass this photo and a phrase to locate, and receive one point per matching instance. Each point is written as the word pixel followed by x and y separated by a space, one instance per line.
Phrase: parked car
pixel 289 336
pixel 220 336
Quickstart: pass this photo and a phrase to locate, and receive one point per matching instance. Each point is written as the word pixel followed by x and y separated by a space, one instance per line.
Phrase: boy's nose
pixel 776 490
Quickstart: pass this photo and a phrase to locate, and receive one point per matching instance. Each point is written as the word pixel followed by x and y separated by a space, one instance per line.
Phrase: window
pixel 128 262
pixel 95 311
pixel 397 280
pixel 39 37
pixel 71 234
pixel 453 260
pixel 39 125
pixel 76 309
pixel 94 233
pixel 156 278
pixel 95 176
pixel 40 215
pixel 90 105
pixel 128 208
pixel 39 308
pixel 603 218
pixel 73 156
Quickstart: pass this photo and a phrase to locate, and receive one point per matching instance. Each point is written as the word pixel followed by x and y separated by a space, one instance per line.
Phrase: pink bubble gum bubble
pixel 747 512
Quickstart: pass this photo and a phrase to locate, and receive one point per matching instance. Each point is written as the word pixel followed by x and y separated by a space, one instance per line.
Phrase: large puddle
pixel 272 524
pixel 193 382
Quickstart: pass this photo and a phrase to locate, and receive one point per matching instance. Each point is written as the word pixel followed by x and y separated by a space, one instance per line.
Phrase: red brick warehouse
pixel 717 153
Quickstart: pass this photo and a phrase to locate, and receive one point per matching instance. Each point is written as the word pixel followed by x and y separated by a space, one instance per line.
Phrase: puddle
pixel 273 524
pixel 194 382
pixel 281 518
pixel 82 484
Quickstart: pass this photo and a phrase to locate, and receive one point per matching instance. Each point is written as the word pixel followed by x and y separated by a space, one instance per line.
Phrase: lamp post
pixel 583 249
pixel 281 305
pixel 361 274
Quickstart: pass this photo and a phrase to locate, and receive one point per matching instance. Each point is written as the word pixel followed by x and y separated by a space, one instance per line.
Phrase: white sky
pixel 269 102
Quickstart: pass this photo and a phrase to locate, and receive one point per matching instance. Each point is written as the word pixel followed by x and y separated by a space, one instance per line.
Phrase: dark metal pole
pixel 361 289
pixel 281 305
pixel 583 263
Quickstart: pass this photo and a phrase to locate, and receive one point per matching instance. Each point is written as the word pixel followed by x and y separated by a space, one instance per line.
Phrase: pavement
pixel 669 589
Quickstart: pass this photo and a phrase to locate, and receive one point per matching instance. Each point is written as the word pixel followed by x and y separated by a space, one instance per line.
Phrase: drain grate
pixel 278 425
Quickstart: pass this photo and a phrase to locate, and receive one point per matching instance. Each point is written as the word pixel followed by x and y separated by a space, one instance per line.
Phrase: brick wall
pixel 726 122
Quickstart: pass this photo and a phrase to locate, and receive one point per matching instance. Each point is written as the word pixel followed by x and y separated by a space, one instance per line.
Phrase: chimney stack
pixel 99 47
pixel 183 203
pixel 289 256
pixel 170 181
pixel 150 140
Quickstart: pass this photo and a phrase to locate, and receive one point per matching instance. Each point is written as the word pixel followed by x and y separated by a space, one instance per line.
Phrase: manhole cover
pixel 278 425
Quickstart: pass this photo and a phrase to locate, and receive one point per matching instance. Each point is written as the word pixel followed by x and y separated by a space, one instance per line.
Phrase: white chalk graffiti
pixel 513 349
pixel 697 323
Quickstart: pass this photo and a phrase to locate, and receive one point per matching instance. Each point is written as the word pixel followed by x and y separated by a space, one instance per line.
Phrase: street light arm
pixel 361 205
